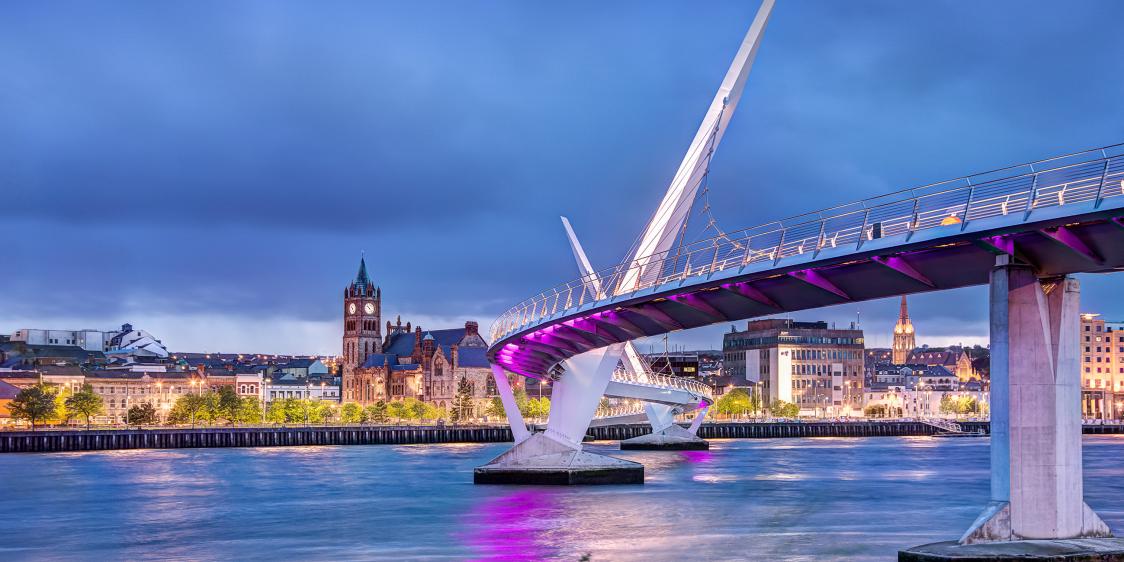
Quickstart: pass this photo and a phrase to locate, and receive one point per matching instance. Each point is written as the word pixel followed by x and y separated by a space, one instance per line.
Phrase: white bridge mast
pixel 662 230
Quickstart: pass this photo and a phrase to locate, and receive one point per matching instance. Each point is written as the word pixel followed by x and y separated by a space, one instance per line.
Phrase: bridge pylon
pixel 556 455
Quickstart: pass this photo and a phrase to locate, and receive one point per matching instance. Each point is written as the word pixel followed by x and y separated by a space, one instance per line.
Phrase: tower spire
pixel 361 279
pixel 904 339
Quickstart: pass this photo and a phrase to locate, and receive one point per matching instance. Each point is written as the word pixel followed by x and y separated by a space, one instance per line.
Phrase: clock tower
pixel 362 313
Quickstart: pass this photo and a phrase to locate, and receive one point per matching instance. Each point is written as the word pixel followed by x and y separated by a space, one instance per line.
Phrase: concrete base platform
pixel 541 460
pixel 674 438
pixel 1068 550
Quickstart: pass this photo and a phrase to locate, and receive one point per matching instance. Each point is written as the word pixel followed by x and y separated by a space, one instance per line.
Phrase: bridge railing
pixel 1089 176
pixel 663 381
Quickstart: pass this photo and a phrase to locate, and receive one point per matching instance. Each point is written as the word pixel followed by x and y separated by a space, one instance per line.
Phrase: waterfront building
pixel 303 367
pixel 426 365
pixel 820 369
pixel 955 359
pixel 679 364
pixel 8 392
pixel 126 342
pixel 302 388
pixel 406 361
pixel 904 338
pixel 1102 369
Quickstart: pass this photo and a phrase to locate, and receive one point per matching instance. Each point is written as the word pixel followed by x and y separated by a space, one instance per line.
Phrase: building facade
pixel 1102 369
pixel 820 369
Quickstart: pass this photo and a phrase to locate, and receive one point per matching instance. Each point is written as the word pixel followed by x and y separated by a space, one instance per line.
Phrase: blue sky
pixel 211 171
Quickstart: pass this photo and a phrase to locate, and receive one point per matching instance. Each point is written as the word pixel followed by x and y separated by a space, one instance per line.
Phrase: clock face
pixel 351 308
pixel 369 308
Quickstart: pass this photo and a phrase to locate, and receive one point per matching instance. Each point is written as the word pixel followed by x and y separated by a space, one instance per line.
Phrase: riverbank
pixel 187 438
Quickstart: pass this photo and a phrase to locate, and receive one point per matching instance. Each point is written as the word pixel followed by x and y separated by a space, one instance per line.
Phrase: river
pixel 779 499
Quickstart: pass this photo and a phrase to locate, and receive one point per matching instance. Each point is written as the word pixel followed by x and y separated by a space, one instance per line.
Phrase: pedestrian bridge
pixel 1061 216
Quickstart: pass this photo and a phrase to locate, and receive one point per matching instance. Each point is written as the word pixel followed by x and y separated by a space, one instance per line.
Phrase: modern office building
pixel 816 367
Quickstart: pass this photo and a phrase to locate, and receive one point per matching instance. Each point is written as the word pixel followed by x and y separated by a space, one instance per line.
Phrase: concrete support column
pixel 1036 487
pixel 700 417
pixel 575 397
pixel 514 416
pixel 660 416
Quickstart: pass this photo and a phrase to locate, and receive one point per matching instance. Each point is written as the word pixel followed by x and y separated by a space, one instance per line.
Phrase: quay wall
pixel 169 438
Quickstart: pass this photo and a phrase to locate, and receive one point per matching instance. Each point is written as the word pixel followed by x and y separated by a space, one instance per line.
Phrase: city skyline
pixel 225 177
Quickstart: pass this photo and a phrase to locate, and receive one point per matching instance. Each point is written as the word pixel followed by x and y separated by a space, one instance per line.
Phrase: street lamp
pixel 322 387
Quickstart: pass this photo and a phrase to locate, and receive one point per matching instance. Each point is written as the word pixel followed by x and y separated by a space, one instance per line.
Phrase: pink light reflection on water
pixel 697 456
pixel 506 527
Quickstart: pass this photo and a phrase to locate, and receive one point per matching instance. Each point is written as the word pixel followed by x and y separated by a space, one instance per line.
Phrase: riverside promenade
pixel 176 438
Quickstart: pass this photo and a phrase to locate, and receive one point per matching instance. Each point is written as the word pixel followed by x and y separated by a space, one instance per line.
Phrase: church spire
pixel 361 279
pixel 904 338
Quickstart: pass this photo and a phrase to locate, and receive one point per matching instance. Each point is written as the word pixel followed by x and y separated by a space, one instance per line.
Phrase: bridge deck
pixel 1064 215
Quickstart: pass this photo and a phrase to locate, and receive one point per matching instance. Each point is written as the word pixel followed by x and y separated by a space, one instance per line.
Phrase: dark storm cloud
pixel 214 158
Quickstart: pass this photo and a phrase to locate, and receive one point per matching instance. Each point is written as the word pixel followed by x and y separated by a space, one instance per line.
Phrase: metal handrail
pixel 1074 178
pixel 657 380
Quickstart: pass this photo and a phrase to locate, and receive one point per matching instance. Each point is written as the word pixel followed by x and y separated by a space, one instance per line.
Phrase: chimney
pixel 471 328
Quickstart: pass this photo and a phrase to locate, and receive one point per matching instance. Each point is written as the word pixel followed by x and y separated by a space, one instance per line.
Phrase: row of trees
pixel 740 402
pixel 409 409
pixel 960 405
pixel 530 408
pixel 44 403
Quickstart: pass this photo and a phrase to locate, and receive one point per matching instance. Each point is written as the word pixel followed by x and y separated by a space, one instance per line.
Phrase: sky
pixel 212 171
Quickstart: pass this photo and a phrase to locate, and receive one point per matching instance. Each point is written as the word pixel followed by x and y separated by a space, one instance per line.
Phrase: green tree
pixel 948 404
pixel 212 408
pixel 462 404
pixel 735 402
pixel 416 409
pixel 34 404
pixel 321 411
pixel 250 411
pixel 352 413
pixel 229 405
pixel 437 413
pixel 377 412
pixel 85 403
pixel 275 412
pixel 186 408
pixel 522 402
pixel 141 414
pixel 62 415
pixel 782 409
pixel 495 408
pixel 397 410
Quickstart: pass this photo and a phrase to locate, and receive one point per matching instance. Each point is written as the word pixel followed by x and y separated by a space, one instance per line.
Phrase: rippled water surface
pixel 744 499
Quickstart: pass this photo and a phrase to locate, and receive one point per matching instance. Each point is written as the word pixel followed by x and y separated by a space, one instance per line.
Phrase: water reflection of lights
pixel 697 456
pixel 780 476
pixel 714 478
pixel 507 527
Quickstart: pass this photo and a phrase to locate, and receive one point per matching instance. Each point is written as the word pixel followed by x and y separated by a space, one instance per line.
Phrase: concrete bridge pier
pixel 667 435
pixel 556 456
pixel 1037 503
